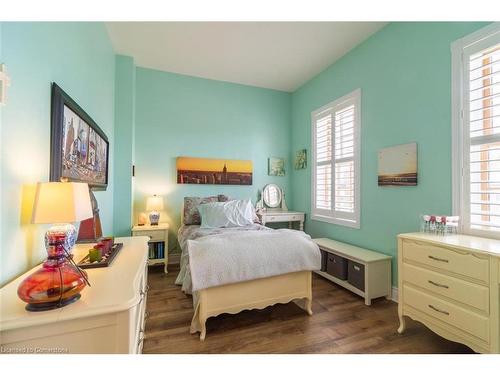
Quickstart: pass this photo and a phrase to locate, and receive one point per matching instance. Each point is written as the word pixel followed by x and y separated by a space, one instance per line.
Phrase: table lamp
pixel 59 281
pixel 154 204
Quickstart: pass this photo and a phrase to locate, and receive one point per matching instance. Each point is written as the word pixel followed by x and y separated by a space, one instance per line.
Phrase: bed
pixel 228 270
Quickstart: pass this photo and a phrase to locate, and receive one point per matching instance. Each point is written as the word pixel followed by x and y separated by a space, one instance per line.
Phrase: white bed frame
pixel 253 294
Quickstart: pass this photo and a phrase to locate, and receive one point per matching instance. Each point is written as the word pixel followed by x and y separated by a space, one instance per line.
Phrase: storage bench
pixel 364 272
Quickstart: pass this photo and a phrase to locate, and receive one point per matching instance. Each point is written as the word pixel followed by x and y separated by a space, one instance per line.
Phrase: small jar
pixel 108 243
pixel 101 247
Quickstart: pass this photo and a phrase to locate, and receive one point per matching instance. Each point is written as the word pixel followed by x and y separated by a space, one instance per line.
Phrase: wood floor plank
pixel 341 323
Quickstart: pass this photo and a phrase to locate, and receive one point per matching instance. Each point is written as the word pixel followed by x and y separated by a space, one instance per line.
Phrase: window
pixel 476 131
pixel 336 162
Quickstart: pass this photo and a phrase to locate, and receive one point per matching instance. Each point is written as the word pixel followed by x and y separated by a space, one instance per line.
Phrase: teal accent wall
pixel 79 57
pixel 124 143
pixel 178 115
pixel 404 72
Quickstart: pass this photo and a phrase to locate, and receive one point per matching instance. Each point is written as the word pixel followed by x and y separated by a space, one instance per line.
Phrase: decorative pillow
pixel 255 216
pixel 236 213
pixel 191 214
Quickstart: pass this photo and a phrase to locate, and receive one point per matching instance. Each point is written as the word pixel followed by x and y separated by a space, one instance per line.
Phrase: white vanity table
pixel 280 216
pixel 271 208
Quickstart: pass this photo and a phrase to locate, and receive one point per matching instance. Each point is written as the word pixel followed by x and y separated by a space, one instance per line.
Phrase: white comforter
pixel 193 232
pixel 235 256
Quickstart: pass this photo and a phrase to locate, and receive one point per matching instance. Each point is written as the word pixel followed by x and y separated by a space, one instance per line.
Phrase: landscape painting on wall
pixel 214 171
pixel 276 166
pixel 301 159
pixel 397 165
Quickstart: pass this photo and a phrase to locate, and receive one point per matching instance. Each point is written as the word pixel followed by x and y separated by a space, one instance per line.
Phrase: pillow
pixel 237 213
pixel 191 215
pixel 255 216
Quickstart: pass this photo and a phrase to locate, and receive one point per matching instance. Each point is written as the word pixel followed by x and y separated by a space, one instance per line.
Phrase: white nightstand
pixel 280 216
pixel 158 242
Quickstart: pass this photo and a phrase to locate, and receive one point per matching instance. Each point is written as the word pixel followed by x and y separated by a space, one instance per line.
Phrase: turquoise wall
pixel 404 73
pixel 79 57
pixel 179 115
pixel 124 143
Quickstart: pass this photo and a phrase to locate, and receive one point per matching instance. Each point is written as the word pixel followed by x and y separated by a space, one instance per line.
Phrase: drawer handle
pixel 439 259
pixel 357 268
pixel 438 285
pixel 438 310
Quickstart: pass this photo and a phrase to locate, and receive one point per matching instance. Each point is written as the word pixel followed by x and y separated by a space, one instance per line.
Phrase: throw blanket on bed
pixel 193 232
pixel 233 257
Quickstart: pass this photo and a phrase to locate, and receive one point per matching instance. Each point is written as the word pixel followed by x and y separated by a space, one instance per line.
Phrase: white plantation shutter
pixel 480 135
pixel 335 180
pixel 344 160
pixel 324 153
pixel 483 99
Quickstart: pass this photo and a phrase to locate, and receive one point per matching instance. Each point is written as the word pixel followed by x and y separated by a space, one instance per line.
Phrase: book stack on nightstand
pixel 158 242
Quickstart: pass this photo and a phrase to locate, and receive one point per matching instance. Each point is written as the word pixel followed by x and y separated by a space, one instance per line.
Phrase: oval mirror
pixel 272 195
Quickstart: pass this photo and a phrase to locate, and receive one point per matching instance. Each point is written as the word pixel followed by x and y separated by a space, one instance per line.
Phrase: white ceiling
pixel 275 55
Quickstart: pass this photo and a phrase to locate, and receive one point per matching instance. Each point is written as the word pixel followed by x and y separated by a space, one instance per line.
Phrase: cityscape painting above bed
pixel 214 171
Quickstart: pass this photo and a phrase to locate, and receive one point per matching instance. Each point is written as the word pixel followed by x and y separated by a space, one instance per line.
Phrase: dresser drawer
pixel 283 218
pixel 470 294
pixel 138 313
pixel 447 312
pixel 464 264
pixel 154 235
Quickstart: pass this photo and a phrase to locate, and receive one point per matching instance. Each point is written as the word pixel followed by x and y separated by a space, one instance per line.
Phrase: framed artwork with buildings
pixel 214 171
pixel 79 149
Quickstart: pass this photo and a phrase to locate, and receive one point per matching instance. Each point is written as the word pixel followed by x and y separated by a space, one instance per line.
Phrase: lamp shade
pixel 61 202
pixel 154 203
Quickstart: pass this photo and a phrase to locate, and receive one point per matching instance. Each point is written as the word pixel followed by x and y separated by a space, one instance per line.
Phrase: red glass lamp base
pixel 57 283
pixel 45 306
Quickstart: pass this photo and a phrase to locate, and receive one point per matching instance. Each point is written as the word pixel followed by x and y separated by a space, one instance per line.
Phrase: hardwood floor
pixel 341 323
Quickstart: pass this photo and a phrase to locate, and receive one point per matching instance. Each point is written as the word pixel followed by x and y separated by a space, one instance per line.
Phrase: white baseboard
pixel 395 294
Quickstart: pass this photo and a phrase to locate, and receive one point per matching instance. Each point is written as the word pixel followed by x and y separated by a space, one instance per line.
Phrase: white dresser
pixel 108 318
pixel 451 284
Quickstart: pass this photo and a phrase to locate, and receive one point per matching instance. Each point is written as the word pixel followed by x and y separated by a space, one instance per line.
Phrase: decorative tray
pixel 106 260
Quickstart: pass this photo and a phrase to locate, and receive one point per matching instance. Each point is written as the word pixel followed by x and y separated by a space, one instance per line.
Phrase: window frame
pixel 331 216
pixel 460 50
